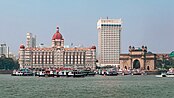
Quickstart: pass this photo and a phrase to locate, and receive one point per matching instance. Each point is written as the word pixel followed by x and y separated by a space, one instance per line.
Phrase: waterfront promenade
pixel 89 87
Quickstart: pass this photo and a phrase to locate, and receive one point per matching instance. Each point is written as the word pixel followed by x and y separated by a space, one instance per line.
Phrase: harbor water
pixel 88 87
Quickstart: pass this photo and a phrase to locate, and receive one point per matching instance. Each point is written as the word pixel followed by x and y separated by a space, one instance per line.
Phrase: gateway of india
pixel 138 58
pixel 57 55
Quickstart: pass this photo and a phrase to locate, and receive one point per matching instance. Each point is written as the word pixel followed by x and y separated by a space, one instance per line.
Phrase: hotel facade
pixel 57 55
pixel 109 32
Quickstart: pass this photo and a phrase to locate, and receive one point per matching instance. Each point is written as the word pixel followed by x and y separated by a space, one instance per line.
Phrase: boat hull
pixel 170 76
pixel 162 75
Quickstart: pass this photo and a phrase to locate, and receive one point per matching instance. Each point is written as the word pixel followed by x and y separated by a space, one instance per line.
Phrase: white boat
pixel 170 75
pixel 63 73
pixel 40 73
pixel 22 72
pixel 71 73
pixel 17 73
pixel 162 75
pixel 77 73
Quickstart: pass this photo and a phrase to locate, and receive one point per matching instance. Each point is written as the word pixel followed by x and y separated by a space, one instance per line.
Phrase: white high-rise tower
pixel 31 41
pixel 4 50
pixel 109 41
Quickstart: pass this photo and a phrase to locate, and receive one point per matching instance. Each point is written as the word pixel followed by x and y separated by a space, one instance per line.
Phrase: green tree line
pixel 166 63
pixel 8 64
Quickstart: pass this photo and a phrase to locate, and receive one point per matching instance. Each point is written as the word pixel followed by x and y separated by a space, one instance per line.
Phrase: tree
pixel 8 64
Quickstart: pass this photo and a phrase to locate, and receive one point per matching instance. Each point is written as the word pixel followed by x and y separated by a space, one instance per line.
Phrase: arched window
pixel 136 64
pixel 148 68
pixel 125 67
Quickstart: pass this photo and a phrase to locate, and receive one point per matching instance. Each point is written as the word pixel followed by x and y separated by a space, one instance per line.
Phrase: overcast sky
pixel 145 22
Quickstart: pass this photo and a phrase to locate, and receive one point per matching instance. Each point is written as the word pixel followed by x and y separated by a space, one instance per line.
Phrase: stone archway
pixel 139 58
pixel 136 64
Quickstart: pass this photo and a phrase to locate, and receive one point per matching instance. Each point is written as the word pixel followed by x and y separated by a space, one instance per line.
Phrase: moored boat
pixel 161 75
pixel 77 73
pixel 170 73
pixel 63 73
pixel 138 72
pixel 124 72
pixel 50 73
pixel 40 73
pixel 70 73
pixel 22 72
pixel 108 72
pixel 17 73
pixel 88 72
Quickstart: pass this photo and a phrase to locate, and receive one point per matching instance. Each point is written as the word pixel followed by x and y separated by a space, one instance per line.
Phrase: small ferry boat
pixel 124 72
pixel 161 75
pixel 63 73
pixel 88 72
pixel 40 73
pixel 70 73
pixel 22 72
pixel 170 73
pixel 108 72
pixel 51 73
pixel 77 73
pixel 17 73
pixel 138 72
pixel 111 73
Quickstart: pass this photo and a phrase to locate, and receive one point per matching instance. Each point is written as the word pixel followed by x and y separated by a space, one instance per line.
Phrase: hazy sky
pixel 145 22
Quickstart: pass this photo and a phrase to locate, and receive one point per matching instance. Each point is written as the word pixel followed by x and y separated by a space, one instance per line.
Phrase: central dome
pixel 57 35
pixel 22 46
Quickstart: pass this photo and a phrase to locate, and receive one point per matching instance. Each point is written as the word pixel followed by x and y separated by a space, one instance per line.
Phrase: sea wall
pixel 6 71
pixel 155 72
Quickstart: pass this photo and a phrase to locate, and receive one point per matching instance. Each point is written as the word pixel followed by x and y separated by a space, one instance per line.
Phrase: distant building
pixel 13 56
pixel 138 58
pixel 109 32
pixel 57 55
pixel 31 40
pixel 163 56
pixel 4 50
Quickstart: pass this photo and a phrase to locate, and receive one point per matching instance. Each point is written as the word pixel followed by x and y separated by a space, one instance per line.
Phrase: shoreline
pixel 6 71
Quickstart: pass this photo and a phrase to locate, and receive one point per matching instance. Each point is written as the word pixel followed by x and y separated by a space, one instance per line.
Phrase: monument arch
pixel 138 58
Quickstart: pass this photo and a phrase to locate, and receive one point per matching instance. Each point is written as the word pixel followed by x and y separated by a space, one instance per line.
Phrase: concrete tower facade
pixel 109 32
pixel 4 50
pixel 31 40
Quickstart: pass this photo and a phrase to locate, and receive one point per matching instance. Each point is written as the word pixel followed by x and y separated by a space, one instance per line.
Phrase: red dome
pixel 57 35
pixel 22 47
pixel 93 47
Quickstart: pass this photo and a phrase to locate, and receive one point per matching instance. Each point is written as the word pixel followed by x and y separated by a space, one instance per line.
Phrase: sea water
pixel 88 87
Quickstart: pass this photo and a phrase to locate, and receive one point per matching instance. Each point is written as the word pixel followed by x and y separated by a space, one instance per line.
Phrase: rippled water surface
pixel 88 87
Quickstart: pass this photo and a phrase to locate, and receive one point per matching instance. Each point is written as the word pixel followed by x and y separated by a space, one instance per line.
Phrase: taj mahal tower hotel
pixel 57 55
